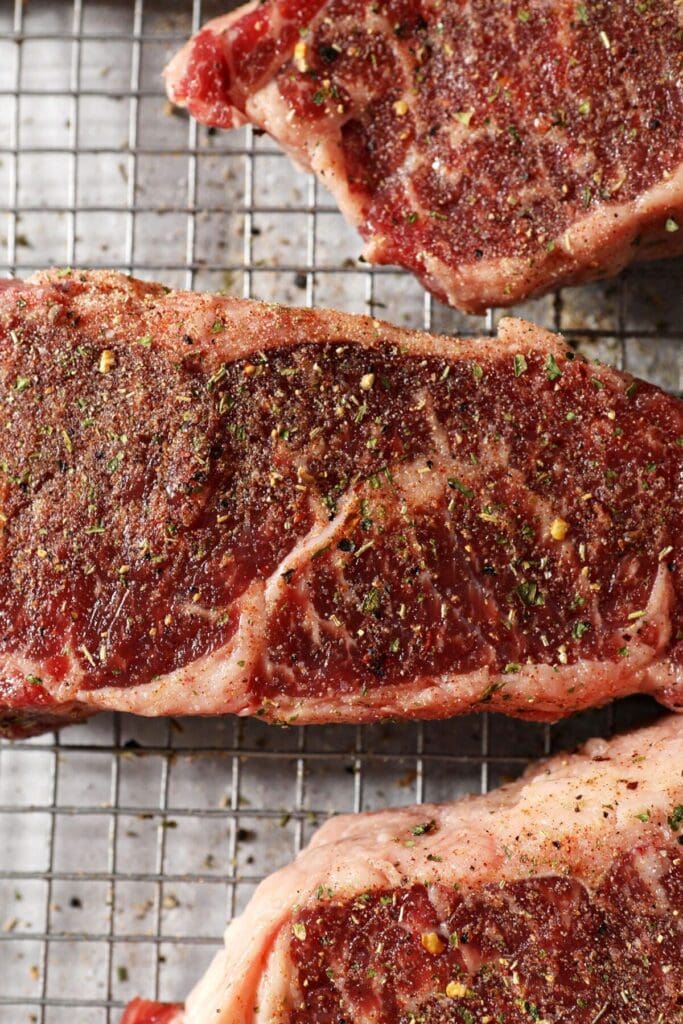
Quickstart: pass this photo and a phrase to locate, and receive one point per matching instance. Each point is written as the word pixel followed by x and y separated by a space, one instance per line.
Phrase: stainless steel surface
pixel 125 844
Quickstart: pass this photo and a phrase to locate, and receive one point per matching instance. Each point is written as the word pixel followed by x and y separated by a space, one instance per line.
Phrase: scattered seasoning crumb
pixel 299 930
pixel 671 225
pixel 401 108
pixel 107 361
pixel 367 382
pixel 122 973
pixel 142 909
pixel 432 943
pixel 299 56
pixel 559 528
pixel 456 990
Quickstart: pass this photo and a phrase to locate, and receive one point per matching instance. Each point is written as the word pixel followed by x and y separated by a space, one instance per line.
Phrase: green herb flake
pixel 529 594
pixel 35 680
pixel 372 601
pixel 458 485
pixel 299 930
pixel 520 365
pixel 552 370
pixel 644 816
pixel 217 376
pixel 477 371
pixel 115 463
pixel 579 629
pixel 423 829
pixel 675 819
pixel 122 973
pixel 22 383
pixel 512 668
pixel 582 14
pixel 523 15
pixel 217 327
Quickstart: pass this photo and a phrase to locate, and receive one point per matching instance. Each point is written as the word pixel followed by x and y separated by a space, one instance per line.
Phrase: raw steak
pixel 556 899
pixel 495 149
pixel 211 505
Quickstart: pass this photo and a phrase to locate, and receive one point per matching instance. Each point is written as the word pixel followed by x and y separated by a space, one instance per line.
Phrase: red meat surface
pixel 495 149
pixel 215 506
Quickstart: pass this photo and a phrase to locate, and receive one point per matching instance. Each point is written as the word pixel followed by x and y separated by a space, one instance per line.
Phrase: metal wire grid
pixel 125 844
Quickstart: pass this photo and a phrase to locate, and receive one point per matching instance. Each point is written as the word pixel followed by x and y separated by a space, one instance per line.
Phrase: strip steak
pixel 495 149
pixel 215 506
pixel 556 899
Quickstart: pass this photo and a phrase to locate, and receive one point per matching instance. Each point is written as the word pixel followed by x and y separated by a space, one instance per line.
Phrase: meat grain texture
pixel 215 506
pixel 557 898
pixel 496 149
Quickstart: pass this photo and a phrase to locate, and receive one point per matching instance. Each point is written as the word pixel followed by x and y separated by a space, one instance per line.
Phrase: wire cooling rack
pixel 125 844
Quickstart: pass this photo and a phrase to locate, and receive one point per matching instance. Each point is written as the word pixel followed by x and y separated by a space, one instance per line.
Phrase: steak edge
pixel 215 506
pixel 556 898
pixel 496 150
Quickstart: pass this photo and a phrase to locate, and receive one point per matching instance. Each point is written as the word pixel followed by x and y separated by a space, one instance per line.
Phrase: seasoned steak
pixel 556 899
pixel 211 505
pixel 495 149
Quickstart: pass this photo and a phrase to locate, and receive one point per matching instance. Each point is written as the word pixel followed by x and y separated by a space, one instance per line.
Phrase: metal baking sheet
pixel 125 844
